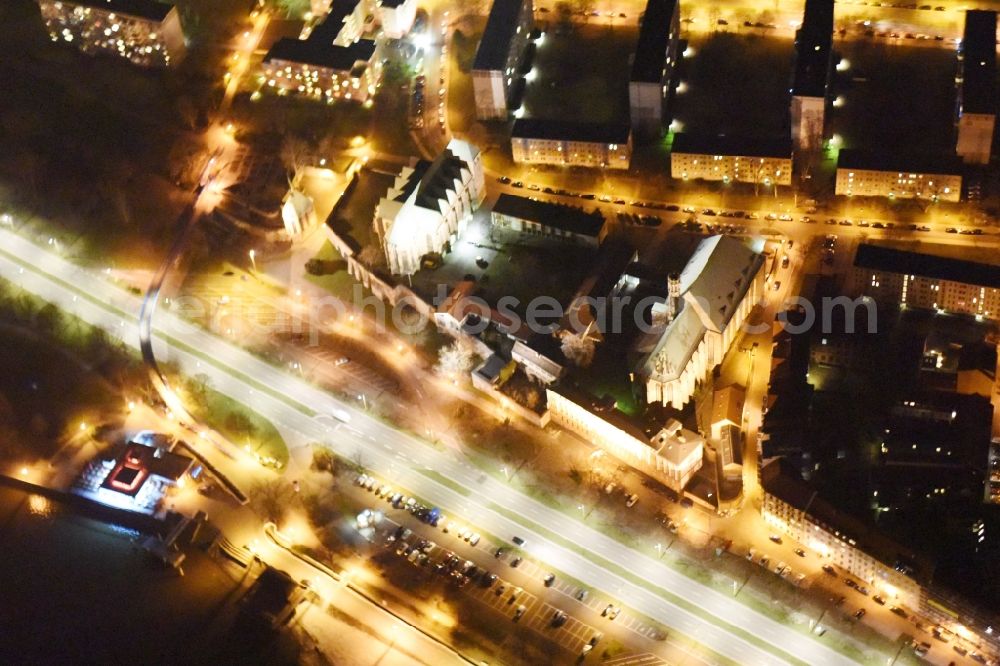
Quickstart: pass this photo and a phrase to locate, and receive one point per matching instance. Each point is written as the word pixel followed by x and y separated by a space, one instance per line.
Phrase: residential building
pixel 396 17
pixel 910 279
pixel 701 317
pixel 731 159
pixel 670 454
pixel 976 108
pixel 794 509
pixel 727 431
pixel 903 175
pixel 428 206
pixel 653 65
pixel 549 220
pixel 564 143
pixel 811 75
pixel 330 61
pixel 501 50
pixel 146 32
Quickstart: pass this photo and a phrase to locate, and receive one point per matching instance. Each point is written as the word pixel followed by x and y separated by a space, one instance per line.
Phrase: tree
pixel 584 7
pixel 294 151
pixel 270 499
pixel 578 348
pixel 455 360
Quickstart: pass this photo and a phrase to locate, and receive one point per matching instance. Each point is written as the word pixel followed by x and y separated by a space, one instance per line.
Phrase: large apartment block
pixel 331 61
pixel 793 508
pixel 811 74
pixel 146 32
pixel 563 143
pixel 976 108
pixel 731 159
pixel 899 175
pixel 500 52
pixel 896 277
pixel 653 64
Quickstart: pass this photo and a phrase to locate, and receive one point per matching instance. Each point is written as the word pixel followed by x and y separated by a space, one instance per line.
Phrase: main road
pixel 640 581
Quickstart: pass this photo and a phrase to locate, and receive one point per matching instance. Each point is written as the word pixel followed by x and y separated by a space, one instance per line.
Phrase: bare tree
pixel 294 152
pixel 455 360
pixel 579 348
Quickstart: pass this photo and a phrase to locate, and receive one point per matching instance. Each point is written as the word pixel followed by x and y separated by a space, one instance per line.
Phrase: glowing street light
pixel 253 261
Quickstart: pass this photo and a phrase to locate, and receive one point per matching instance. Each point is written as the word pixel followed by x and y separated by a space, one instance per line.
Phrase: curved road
pixel 639 581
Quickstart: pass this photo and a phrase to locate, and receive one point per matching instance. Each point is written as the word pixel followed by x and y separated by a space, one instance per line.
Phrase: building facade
pixel 547 220
pixel 397 17
pixel 146 32
pixel 729 159
pixel 330 61
pixel 866 174
pixel 653 63
pixel 598 145
pixel 500 52
pixel 705 308
pixel 976 107
pixel 428 206
pixel 908 279
pixel 670 454
pixel 811 75
pixel 794 509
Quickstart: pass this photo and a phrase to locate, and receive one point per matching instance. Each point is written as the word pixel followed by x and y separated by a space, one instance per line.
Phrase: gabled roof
pixel 727 404
pixel 670 349
pixel 716 278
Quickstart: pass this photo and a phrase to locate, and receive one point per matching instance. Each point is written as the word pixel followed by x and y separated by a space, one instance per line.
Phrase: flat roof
pixel 559 216
pixel 877 257
pixel 316 52
pixel 145 9
pixel 813 49
pixel 564 130
pixel 900 162
pixel 704 143
pixel 979 65
pixel 651 47
pixel 501 27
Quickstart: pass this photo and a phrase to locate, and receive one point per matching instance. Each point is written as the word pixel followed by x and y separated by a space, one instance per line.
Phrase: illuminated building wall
pixel 539 141
pixel 330 61
pixel 731 160
pixel 867 174
pixel 895 277
pixel 672 455
pixel 145 32
pixel 429 205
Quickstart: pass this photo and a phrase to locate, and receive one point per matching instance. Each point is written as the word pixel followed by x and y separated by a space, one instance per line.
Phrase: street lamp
pixel 253 262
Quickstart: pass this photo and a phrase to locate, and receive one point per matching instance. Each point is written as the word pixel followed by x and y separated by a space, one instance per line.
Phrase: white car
pixel 473 539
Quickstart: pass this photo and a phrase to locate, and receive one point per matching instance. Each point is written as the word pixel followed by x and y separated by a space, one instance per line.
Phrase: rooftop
pixel 880 258
pixel 813 49
pixel 561 130
pixel 560 216
pixel 900 162
pixel 319 53
pixel 654 34
pixel 145 9
pixel 979 87
pixel 720 144
pixel 500 29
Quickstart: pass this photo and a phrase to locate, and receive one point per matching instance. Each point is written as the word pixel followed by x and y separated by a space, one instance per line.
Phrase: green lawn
pixel 238 423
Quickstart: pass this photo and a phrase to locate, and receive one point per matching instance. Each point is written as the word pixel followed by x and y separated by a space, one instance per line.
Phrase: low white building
pixel 428 206
pixel 669 454
pixel 396 17
pixel 694 328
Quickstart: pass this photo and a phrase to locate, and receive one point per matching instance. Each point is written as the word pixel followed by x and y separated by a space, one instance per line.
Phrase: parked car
pixel 549 579
pixel 860 613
